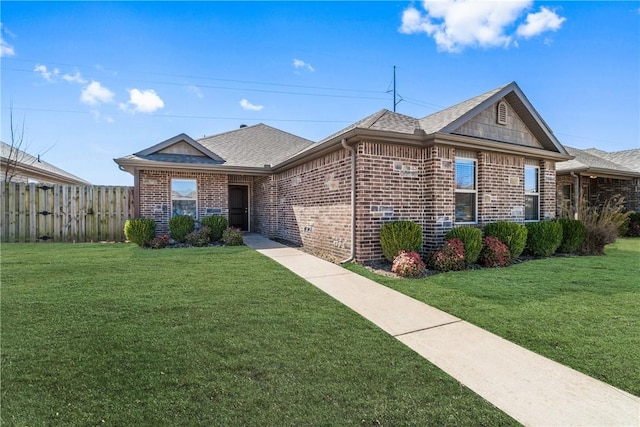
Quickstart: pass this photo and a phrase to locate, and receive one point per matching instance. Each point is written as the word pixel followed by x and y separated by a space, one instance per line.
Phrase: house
pixel 489 158
pixel 596 175
pixel 19 166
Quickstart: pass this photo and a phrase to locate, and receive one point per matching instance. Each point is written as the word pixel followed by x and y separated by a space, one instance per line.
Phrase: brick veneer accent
pixel 155 194
pixel 313 205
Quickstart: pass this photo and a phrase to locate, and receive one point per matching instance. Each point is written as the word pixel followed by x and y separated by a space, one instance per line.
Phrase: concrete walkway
pixel 530 388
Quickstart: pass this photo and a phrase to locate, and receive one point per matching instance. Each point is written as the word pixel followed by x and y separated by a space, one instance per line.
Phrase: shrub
pixel 407 264
pixel 450 257
pixel 159 242
pixel 495 253
pixel 471 238
pixel 634 224
pixel 601 224
pixel 398 236
pixel 140 230
pixel 544 237
pixel 199 237
pixel 512 234
pixel 232 237
pixel 216 224
pixel 573 232
pixel 180 226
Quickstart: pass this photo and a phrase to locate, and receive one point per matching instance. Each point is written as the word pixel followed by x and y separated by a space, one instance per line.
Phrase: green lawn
pixel 583 312
pixel 109 334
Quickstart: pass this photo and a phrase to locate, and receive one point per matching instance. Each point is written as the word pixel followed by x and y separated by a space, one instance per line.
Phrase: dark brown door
pixel 239 207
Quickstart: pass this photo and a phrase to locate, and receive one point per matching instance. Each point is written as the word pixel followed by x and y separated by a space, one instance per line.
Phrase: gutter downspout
pixel 576 193
pixel 352 255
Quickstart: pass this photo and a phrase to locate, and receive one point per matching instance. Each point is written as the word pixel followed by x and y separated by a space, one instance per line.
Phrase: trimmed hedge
pixel 216 224
pixel 544 237
pixel 140 231
pixel 180 226
pixel 471 238
pixel 512 234
pixel 573 234
pixel 398 236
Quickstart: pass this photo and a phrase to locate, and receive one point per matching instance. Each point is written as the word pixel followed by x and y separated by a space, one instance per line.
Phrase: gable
pixel 486 125
pixel 181 148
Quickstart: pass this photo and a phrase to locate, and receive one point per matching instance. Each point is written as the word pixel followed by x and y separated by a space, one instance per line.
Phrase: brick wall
pixel 500 188
pixel 390 187
pixel 263 213
pixel 155 195
pixel 601 189
pixel 313 205
pixel 439 195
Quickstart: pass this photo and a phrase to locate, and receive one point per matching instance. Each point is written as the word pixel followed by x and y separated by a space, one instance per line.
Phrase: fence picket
pixel 75 213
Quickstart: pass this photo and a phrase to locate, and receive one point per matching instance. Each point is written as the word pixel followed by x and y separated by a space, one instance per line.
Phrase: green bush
pixel 140 231
pixel 471 238
pixel 544 237
pixel 232 237
pixel 398 236
pixel 512 234
pixel 180 226
pixel 216 224
pixel 573 232
pixel 634 224
pixel 199 237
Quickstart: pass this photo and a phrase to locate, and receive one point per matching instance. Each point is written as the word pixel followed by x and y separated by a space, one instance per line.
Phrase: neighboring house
pixel 489 158
pixel 19 166
pixel 595 175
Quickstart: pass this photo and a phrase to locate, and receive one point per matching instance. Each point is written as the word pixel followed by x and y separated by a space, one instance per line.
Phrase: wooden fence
pixel 63 213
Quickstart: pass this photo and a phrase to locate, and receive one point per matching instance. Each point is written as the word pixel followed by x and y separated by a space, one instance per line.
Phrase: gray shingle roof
pixel 627 158
pixel 255 146
pixel 440 120
pixel 46 171
pixel 584 161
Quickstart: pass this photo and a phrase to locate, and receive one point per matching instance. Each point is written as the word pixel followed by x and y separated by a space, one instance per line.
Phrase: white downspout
pixel 352 255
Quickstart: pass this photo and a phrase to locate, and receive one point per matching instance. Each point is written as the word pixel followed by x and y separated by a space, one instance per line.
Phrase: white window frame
pixel 466 191
pixel 529 193
pixel 195 198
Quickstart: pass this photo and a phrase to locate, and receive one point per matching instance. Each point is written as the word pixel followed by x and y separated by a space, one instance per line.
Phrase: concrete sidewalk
pixel 530 388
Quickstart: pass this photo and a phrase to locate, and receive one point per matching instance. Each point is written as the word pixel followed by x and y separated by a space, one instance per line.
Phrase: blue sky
pixel 92 81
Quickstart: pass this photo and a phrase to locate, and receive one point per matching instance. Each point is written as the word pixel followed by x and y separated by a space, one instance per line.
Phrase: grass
pixel 109 334
pixel 583 312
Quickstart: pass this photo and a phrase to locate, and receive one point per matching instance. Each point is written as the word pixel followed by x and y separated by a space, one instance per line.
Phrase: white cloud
pixel 45 73
pixel 75 78
pixel 5 48
pixel 538 23
pixel 195 90
pixel 246 105
pixel 143 101
pixel 299 63
pixel 94 93
pixel 457 24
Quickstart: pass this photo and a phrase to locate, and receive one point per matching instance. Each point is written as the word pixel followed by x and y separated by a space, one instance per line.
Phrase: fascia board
pixel 131 164
pixel 501 147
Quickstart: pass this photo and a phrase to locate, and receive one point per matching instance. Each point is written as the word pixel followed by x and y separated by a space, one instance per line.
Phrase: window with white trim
pixel 184 197
pixel 466 190
pixel 531 193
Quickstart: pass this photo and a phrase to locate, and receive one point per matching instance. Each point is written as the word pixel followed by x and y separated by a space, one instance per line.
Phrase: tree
pixel 14 152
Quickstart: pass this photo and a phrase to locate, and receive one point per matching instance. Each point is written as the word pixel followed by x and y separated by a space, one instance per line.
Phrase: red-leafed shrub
pixel 450 257
pixel 495 253
pixel 408 264
pixel 159 242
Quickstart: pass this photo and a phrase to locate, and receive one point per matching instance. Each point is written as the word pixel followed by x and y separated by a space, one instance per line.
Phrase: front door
pixel 239 207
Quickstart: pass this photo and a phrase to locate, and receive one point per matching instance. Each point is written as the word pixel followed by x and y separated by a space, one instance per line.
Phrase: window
pixel 466 191
pixel 531 193
pixel 184 196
